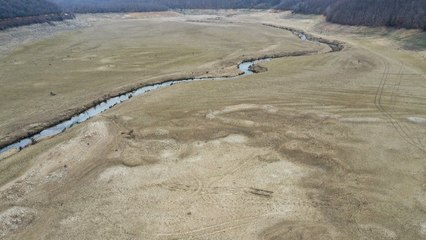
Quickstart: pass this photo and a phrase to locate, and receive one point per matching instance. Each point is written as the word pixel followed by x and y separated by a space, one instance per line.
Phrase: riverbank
pixel 101 106
pixel 246 67
pixel 320 146
pixel 86 62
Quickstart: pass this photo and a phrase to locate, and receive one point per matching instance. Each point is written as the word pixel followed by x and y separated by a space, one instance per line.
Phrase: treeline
pixel 22 21
pixel 26 8
pixel 221 4
pixel 102 6
pixel 14 13
pixel 85 6
pixel 306 6
pixel 392 13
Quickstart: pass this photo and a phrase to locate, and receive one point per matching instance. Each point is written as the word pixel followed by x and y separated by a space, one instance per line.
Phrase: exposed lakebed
pixel 245 68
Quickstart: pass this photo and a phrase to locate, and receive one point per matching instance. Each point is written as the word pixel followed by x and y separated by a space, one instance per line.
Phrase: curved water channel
pixel 335 46
pixel 105 105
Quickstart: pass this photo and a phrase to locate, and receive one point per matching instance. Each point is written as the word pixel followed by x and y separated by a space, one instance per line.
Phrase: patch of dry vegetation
pixel 81 67
pixel 324 146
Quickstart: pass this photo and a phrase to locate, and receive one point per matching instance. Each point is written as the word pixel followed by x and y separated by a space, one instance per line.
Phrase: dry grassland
pixel 324 146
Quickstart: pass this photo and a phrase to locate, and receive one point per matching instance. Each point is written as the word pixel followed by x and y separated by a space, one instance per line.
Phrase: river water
pixel 104 106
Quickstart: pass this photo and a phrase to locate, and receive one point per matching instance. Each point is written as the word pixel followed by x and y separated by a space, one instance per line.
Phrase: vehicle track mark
pixel 395 123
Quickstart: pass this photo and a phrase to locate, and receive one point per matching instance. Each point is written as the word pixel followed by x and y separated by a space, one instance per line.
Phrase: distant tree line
pixel 21 21
pixel 14 13
pixel 26 8
pixel 102 6
pixel 306 6
pixel 392 13
pixel 84 6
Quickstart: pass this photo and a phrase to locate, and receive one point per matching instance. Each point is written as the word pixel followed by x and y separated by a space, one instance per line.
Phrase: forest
pixel 83 6
pixel 27 8
pixel 392 13
pixel 14 13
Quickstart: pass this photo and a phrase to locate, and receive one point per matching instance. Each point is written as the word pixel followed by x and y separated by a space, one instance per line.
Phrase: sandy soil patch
pixel 317 147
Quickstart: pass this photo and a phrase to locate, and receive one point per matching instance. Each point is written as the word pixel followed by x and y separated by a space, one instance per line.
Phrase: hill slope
pixel 392 13
pixel 23 12
pixel 395 13
pixel 26 8
pixel 155 5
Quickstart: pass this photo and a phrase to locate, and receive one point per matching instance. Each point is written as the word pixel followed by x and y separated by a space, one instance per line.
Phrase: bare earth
pixel 117 53
pixel 322 146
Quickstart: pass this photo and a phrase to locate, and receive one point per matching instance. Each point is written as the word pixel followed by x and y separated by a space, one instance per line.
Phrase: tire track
pixel 216 228
pixel 110 100
pixel 219 178
pixel 393 103
pixel 396 89
pixel 210 229
pixel 395 123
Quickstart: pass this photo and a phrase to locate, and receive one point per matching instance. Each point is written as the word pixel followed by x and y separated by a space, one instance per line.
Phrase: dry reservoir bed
pixel 324 146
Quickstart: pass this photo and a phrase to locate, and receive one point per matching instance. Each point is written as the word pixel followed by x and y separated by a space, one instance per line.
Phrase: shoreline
pixel 5 145
pixel 80 110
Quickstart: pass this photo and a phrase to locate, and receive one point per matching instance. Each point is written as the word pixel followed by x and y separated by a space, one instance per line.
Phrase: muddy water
pixel 103 106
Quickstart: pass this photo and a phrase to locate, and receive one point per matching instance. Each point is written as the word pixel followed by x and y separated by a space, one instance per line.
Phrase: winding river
pixel 105 105
pixel 335 46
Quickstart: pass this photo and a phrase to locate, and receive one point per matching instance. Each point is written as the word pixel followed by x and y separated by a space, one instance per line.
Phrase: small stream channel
pixel 335 46
pixel 105 105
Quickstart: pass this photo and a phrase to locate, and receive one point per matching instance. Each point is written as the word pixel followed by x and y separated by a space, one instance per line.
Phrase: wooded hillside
pixel 393 13
pixel 26 8
pixel 14 13
pixel 82 6
pixel 100 6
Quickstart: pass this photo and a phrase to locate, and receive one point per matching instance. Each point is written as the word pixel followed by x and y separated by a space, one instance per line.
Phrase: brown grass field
pixel 322 146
